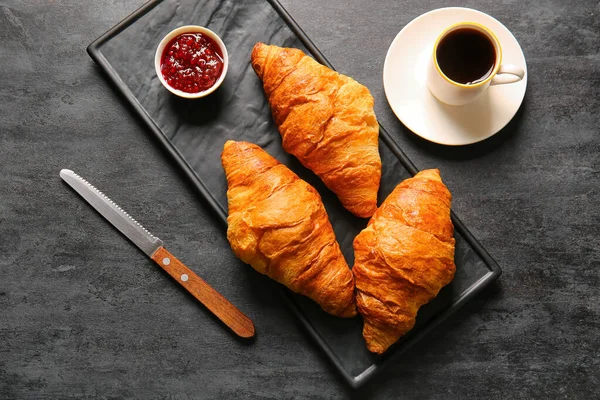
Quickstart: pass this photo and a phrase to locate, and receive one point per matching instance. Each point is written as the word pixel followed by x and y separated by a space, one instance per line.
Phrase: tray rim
pixel 357 381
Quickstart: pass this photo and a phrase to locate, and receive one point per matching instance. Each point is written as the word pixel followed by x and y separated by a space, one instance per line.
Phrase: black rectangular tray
pixel 194 131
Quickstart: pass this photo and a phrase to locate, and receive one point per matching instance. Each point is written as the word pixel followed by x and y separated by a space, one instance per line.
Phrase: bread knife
pixel 153 247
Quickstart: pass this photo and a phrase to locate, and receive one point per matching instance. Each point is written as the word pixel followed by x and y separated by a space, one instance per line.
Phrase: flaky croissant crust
pixel 326 120
pixel 403 258
pixel 278 224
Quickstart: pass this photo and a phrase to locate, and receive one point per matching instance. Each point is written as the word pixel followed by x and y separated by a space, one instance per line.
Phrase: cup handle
pixel 508 73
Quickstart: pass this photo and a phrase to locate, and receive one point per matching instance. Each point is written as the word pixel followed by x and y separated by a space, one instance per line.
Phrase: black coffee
pixel 466 56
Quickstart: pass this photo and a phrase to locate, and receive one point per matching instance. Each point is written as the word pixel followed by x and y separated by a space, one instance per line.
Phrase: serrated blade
pixel 113 213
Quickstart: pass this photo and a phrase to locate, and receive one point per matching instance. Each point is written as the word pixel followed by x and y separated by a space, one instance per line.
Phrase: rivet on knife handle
pixel 213 300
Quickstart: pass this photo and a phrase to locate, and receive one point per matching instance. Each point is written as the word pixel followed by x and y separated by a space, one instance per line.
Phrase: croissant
pixel 403 258
pixel 278 225
pixel 326 120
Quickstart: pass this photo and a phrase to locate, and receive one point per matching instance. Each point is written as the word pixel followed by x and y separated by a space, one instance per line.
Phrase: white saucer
pixel 405 70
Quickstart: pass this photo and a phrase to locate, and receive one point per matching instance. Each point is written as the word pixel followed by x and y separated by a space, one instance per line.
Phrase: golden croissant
pixel 326 120
pixel 403 258
pixel 278 224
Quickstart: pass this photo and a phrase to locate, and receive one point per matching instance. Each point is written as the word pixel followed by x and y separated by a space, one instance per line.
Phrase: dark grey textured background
pixel 84 314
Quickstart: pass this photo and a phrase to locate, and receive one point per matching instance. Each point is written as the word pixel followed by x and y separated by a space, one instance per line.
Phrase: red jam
pixel 192 62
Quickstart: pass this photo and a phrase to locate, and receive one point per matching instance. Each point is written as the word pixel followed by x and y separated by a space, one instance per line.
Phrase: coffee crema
pixel 466 56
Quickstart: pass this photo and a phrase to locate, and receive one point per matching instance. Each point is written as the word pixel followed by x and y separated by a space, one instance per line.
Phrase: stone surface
pixel 84 314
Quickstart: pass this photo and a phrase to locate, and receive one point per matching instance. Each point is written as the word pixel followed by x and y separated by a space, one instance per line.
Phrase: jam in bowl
pixel 191 61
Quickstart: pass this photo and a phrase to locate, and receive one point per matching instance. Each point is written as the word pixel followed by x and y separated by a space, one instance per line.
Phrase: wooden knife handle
pixel 213 300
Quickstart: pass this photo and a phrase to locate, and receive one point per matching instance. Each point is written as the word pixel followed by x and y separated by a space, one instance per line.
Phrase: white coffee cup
pixel 455 93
